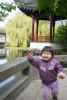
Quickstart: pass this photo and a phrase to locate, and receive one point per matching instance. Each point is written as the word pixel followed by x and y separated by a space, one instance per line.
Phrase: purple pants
pixel 54 90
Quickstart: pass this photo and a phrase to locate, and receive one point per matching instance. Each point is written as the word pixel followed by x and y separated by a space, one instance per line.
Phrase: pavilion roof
pixel 27 6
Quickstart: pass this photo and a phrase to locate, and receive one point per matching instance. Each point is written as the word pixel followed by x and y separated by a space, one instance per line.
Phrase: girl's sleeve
pixel 34 62
pixel 59 67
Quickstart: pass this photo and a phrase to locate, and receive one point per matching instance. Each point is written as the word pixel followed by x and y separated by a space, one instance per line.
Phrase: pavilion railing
pixel 40 39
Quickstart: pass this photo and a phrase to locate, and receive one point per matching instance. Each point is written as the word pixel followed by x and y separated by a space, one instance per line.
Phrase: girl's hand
pixel 61 75
pixel 29 55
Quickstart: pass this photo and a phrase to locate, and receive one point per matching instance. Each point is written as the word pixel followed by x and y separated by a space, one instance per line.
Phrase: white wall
pixel 40 45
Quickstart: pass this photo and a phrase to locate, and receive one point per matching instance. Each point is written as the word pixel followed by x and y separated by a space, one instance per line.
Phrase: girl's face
pixel 46 55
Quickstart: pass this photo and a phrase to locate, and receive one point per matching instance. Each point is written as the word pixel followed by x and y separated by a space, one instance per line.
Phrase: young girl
pixel 49 68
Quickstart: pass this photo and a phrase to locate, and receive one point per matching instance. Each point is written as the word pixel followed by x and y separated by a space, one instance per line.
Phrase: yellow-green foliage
pixel 2 30
pixel 43 28
pixel 19 28
pixel 13 54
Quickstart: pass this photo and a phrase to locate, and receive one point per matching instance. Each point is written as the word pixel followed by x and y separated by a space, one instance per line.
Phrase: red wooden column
pixel 37 22
pixel 32 28
pixel 51 31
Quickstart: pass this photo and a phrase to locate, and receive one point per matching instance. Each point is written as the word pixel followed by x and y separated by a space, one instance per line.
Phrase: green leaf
pixel 5 8
pixel 45 5
pixel 61 8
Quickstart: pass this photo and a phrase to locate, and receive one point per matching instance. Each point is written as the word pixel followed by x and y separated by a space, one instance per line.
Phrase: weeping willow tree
pixel 13 54
pixel 19 29
pixel 43 28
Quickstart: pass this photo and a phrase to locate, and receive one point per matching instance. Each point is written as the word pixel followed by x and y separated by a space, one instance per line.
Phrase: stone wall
pixel 38 52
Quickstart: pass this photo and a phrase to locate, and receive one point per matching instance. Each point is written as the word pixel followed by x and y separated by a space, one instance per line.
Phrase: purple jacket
pixel 48 70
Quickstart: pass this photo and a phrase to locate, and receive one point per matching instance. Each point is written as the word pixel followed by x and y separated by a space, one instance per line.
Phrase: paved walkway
pixel 34 91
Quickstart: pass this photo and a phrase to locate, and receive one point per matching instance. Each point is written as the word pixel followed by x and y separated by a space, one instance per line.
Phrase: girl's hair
pixel 49 49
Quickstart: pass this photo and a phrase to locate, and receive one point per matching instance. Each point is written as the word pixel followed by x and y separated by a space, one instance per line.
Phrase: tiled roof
pixel 27 6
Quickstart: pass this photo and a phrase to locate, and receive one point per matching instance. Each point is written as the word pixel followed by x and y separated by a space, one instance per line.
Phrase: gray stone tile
pixel 34 91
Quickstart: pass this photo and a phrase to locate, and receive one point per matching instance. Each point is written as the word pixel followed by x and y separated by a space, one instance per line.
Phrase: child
pixel 49 68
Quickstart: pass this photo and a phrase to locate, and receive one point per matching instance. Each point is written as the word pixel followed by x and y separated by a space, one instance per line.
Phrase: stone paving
pixel 34 91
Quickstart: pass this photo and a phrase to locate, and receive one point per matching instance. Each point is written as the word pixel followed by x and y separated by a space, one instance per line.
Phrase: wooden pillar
pixel 51 24
pixel 53 29
pixel 32 28
pixel 37 22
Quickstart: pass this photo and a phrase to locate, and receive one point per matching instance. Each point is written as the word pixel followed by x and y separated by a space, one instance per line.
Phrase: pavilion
pixel 27 7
